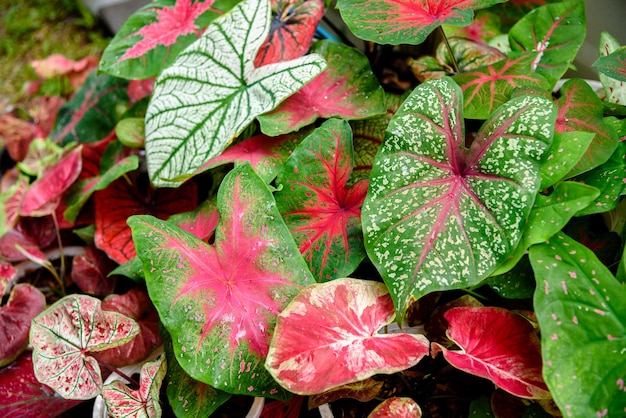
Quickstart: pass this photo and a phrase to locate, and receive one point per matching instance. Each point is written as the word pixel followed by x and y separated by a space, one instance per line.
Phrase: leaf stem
pixel 455 65
pixel 118 372
pixel 61 254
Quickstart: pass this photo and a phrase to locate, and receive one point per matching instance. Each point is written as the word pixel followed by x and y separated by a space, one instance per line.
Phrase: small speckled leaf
pixel 219 302
pixel 615 90
pixel 406 21
pixel 439 216
pixel 327 337
pixel 322 212
pixel 397 408
pixel 567 149
pixel 553 33
pixel 500 346
pixel 62 337
pixel 613 65
pixel 212 91
pixel 123 402
pixel 581 309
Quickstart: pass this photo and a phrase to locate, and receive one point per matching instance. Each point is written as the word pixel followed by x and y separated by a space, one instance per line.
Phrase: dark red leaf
pixel 280 409
pixel 34 235
pixel 90 270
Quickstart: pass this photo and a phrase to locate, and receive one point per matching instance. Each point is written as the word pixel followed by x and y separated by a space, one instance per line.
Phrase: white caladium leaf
pixel 213 91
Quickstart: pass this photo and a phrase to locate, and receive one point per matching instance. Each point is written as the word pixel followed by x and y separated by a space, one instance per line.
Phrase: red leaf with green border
pixel 120 200
pixel 63 337
pixel 341 344
pixel 347 88
pixel 500 346
pixel 25 303
pixel 489 87
pixel 219 303
pixel 292 28
pixel 397 408
pixel 439 215
pixel 322 212
pixel 406 21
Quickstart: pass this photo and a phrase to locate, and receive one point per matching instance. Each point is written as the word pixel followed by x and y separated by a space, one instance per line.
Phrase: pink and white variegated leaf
pixel 327 337
pixel 397 408
pixel 219 302
pixel 500 346
pixel 322 212
pixel 63 336
pixel 123 402
pixel 347 89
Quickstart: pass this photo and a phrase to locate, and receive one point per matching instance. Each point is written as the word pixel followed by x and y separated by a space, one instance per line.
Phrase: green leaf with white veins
pixel 213 91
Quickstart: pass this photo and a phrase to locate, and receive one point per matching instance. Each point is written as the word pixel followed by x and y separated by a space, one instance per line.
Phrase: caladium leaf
pixel 25 303
pixel 341 344
pixel 489 87
pixel 219 303
pixel 398 408
pixel 291 30
pixel 63 336
pixel 11 201
pixel 90 272
pixel 33 235
pixel 500 346
pixel 8 275
pixel 214 84
pixel 280 409
pixel 613 65
pixel 406 21
pixel 123 402
pixel 363 391
pixel 580 109
pixel 486 25
pixel 438 215
pixel 322 212
pixel 347 88
pixel 567 149
pixel 615 89
pixel 581 310
pixel 554 33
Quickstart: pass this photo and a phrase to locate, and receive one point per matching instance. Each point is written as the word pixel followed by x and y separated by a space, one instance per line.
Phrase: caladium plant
pixel 307 210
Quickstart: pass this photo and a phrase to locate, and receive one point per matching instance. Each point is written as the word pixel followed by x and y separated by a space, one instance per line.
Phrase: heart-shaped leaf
pixel 219 303
pixel 438 215
pixel 62 338
pixel 123 402
pixel 347 89
pixel 406 21
pixel 500 346
pixel 341 344
pixel 397 408
pixel 321 211
pixel 214 84
pixel 581 310
pixel 615 89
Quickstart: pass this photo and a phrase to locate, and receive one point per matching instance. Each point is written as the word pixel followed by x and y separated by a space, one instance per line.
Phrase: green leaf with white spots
pixel 581 309
pixel 567 149
pixel 439 215
pixel 212 91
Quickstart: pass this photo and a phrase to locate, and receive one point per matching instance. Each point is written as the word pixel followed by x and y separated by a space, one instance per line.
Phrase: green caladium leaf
pixel 567 149
pixel 516 283
pixel 212 91
pixel 438 215
pixel 615 89
pixel 406 21
pixel 63 336
pixel 581 310
pixel 613 65
pixel 553 33
pixel 219 302
pixel 489 87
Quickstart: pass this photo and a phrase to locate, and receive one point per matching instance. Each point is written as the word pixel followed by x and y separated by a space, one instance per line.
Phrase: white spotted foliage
pixel 439 215
pixel 213 91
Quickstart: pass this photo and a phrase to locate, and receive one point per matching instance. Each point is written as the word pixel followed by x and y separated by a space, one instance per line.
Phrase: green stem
pixel 455 65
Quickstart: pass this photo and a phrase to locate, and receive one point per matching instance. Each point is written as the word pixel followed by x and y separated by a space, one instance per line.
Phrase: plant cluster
pixel 284 214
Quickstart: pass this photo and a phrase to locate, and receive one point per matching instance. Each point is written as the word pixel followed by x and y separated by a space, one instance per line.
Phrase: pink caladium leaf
pixel 397 408
pixel 120 200
pixel 22 395
pixel 341 344
pixel 64 335
pixel 57 65
pixel 486 25
pixel 8 275
pixel 322 212
pixel 123 402
pixel 406 21
pixel 25 303
pixel 440 215
pixel 219 302
pixel 291 30
pixel 200 222
pixel 11 201
pixel 500 346
pixel 347 88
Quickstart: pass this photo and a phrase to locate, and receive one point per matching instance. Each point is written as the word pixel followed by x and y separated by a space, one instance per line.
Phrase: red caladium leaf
pixel 500 346
pixel 33 235
pixel 120 200
pixel 347 88
pixel 90 271
pixel 11 201
pixel 123 402
pixel 340 344
pixel 63 337
pixel 291 30
pixel 219 303
pixel 22 395
pixel 57 65
pixel 397 408
pixel 280 409
pixel 8 274
pixel 25 303
pixel 406 21
pixel 321 211
pixel 580 109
